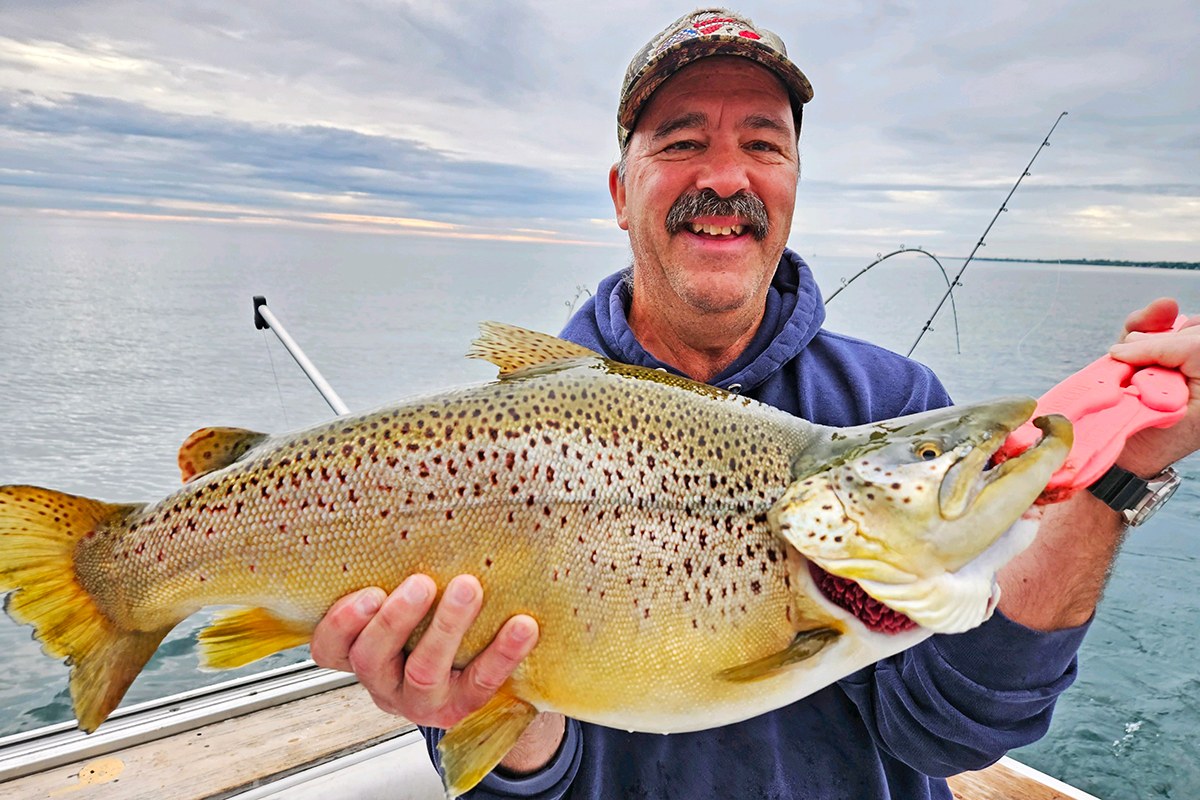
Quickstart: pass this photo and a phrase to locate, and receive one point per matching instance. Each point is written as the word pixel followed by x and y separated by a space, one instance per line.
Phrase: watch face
pixel 1158 491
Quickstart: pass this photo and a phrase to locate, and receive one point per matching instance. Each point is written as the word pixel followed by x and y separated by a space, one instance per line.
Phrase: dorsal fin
pixel 514 349
pixel 210 449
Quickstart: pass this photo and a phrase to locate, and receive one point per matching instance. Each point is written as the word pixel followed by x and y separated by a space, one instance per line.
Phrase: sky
pixel 497 119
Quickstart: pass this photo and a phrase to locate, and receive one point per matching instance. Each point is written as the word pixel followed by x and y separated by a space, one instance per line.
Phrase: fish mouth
pixel 967 593
pixel 976 474
pixel 931 562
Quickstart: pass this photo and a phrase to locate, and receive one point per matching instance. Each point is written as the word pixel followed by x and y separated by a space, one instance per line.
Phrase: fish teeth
pixel 717 230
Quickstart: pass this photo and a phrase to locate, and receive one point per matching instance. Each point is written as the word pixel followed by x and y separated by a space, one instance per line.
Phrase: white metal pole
pixel 263 318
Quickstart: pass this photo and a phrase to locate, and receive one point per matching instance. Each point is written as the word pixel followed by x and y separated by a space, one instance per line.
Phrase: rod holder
pixel 263 318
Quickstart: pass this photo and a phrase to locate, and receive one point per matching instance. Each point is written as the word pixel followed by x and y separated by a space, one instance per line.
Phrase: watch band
pixel 1134 498
pixel 1119 489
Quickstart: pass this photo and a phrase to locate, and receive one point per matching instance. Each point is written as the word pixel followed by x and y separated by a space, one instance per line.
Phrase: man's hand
pixel 365 633
pixel 1057 582
pixel 1152 450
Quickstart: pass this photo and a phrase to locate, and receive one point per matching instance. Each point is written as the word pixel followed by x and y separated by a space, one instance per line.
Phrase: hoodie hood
pixel 794 314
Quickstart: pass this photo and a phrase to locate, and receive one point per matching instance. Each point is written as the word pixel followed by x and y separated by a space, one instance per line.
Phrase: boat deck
pixel 337 744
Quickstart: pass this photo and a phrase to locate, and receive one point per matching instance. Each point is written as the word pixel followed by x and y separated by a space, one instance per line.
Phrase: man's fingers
pixel 366 632
pixel 1180 350
pixel 427 668
pixel 491 668
pixel 341 625
pixel 375 654
pixel 1159 315
pixel 1190 328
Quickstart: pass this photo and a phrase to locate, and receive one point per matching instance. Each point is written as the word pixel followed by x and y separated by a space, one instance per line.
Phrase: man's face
pixel 722 124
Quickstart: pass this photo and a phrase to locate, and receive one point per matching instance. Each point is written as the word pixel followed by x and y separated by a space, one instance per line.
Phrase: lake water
pixel 119 339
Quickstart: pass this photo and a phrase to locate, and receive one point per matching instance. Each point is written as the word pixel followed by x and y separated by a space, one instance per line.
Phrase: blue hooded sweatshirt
pixel 891 731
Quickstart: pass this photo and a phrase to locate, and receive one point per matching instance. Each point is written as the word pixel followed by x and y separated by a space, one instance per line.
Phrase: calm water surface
pixel 117 340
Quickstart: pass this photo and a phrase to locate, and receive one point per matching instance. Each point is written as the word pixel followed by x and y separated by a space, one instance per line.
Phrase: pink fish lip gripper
pixel 1107 402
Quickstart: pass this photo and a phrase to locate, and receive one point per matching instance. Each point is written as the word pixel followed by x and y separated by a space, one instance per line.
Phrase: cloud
pixel 500 115
pixel 105 145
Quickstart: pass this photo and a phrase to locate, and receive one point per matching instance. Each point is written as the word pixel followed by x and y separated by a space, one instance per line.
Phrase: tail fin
pixel 40 530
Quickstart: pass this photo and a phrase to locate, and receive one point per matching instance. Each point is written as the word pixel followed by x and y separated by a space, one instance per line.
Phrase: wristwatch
pixel 1136 499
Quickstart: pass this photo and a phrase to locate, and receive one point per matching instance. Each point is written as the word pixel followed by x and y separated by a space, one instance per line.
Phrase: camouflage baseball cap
pixel 705 32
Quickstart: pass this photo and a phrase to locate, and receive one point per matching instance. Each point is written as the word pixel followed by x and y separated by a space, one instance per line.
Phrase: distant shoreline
pixel 1101 262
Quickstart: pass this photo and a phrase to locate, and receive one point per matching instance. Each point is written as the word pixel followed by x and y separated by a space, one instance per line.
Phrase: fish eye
pixel 928 450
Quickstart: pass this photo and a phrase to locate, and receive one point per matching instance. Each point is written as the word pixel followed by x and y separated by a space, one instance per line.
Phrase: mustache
pixel 706 203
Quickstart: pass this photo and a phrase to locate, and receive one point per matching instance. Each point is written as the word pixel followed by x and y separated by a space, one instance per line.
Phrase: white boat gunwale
pixel 61 743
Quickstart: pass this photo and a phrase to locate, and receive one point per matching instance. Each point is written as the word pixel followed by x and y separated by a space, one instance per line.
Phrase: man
pixel 709 121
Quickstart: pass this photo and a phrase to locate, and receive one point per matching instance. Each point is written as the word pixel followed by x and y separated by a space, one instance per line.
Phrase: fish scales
pixel 673 541
pixel 628 516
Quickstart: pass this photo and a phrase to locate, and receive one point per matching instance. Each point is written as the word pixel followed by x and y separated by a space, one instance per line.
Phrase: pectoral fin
pixel 210 449
pixel 806 645
pixel 473 747
pixel 243 635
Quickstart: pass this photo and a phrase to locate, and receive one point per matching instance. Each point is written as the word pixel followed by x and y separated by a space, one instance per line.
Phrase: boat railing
pixel 63 743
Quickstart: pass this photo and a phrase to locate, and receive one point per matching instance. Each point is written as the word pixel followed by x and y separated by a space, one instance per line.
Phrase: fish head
pixel 914 512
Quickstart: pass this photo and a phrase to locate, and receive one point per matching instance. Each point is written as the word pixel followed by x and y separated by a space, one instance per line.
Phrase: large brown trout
pixel 693 558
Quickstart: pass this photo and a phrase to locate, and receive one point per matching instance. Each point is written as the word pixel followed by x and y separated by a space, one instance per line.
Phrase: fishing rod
pixel 580 290
pixel 263 318
pixel 979 244
pixel 881 258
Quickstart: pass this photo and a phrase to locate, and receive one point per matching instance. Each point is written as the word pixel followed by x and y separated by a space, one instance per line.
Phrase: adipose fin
pixel 210 449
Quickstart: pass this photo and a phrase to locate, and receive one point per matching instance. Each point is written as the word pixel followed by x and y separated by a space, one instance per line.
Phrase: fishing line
pixel 879 259
pixel 277 387
pixel 1049 308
